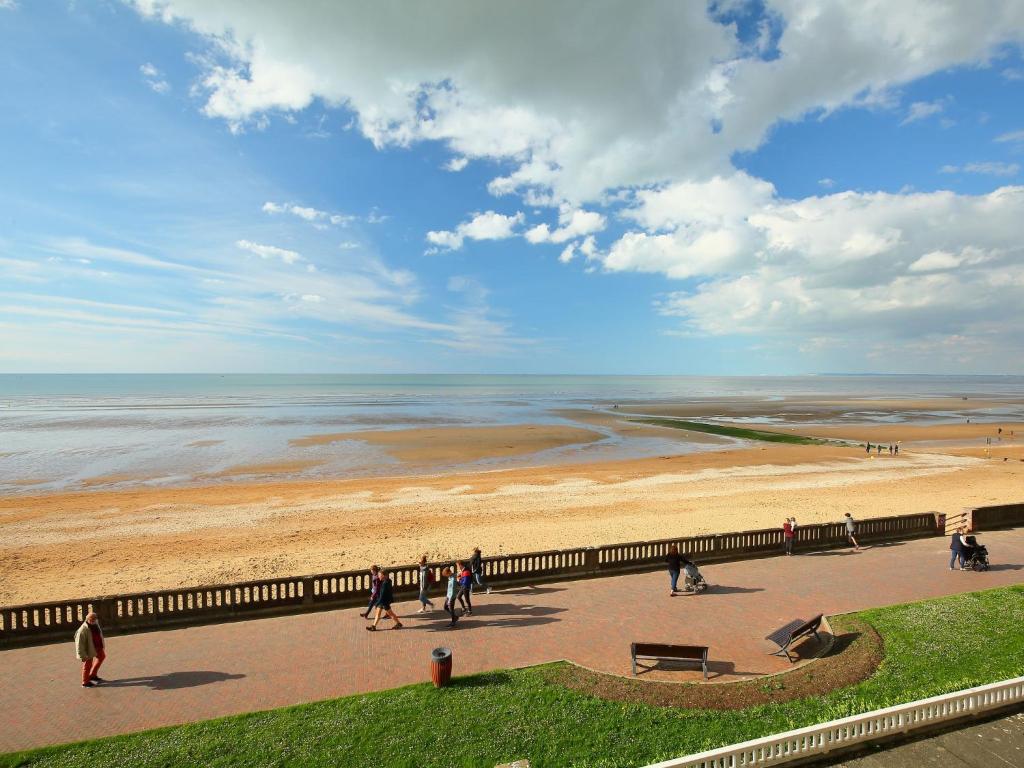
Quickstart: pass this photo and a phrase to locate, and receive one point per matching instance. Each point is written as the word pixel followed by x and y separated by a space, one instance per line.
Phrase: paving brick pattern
pixel 183 675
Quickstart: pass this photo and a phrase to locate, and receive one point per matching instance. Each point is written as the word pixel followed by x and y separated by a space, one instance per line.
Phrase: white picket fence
pixel 859 729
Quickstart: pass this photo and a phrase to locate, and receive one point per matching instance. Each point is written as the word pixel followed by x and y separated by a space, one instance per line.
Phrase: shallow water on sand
pixel 67 431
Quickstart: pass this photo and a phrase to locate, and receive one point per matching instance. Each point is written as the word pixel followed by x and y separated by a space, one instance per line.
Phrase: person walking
pixel 851 529
pixel 90 649
pixel 957 549
pixel 449 601
pixel 787 535
pixel 426 579
pixel 867 448
pixel 374 590
pixel 675 565
pixel 476 565
pixel 385 596
pixel 465 592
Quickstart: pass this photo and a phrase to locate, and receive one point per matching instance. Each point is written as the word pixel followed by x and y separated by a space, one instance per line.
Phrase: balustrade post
pixel 591 560
pixel 307 590
pixel 104 609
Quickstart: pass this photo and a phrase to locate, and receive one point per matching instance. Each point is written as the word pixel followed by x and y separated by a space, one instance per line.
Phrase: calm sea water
pixel 58 431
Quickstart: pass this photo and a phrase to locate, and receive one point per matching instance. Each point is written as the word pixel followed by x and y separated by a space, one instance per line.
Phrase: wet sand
pixel 459 445
pixel 88 542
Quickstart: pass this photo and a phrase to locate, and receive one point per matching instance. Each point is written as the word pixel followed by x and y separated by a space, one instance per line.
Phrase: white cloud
pixel 673 99
pixel 1013 73
pixel 572 223
pixel 920 110
pixel 154 78
pixel 456 164
pixel 308 213
pixel 990 168
pixel 483 226
pixel 1012 136
pixel 826 183
pixel 269 251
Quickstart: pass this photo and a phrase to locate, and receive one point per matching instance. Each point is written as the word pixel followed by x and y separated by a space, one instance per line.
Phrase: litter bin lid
pixel 440 654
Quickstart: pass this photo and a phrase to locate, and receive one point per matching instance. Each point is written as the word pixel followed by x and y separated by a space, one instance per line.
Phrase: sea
pixel 68 431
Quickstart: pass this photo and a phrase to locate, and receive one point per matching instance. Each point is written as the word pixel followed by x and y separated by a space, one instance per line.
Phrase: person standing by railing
pixel 90 649
pixel 787 535
pixel 426 579
pixel 476 565
pixel 851 529
pixel 675 565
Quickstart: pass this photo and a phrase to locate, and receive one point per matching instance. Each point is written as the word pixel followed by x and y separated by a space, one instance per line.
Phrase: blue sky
pixel 741 189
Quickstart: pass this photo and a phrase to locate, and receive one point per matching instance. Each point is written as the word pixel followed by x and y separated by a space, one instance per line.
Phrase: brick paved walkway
pixel 175 676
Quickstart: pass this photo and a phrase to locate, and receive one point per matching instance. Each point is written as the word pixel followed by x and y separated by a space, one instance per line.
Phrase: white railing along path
pixel 858 729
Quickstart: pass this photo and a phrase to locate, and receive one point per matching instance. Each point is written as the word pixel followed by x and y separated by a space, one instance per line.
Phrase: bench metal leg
pixel 634 666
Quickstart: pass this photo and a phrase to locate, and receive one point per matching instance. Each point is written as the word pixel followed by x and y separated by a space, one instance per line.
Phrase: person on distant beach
pixel 449 601
pixel 851 529
pixel 897 447
pixel 867 448
pixel 90 650
pixel 879 449
pixel 675 565
pixel 957 549
pixel 464 595
pixel 476 565
pixel 374 590
pixel 787 535
pixel 890 449
pixel 385 596
pixel 426 579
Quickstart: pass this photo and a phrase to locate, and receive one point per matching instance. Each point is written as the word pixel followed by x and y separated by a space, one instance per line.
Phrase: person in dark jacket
pixel 476 565
pixel 465 581
pixel 385 596
pixel 675 564
pixel 957 549
pixel 374 590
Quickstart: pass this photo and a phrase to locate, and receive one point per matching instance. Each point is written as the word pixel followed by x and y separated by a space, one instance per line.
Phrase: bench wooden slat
pixel 669 652
pixel 794 630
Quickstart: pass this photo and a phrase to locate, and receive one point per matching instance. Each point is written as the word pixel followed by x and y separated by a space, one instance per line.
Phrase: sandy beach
pixel 86 542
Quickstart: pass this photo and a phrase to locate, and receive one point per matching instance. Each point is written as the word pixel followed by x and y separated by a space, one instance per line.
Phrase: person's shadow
pixel 172 680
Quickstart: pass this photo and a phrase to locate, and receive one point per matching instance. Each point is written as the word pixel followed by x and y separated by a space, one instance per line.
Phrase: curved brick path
pixel 175 676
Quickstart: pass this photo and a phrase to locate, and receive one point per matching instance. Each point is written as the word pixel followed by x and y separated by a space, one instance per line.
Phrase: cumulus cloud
pixel 572 223
pixel 483 226
pixel 1011 137
pixel 674 98
pixel 849 263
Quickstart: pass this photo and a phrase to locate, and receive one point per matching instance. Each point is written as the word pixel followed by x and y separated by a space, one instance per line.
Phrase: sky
pixel 578 187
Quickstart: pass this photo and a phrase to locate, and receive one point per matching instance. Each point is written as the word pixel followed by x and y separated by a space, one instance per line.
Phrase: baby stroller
pixel 694 582
pixel 975 555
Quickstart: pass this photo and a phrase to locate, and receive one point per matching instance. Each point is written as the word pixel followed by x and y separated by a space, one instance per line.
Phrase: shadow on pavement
pixel 172 680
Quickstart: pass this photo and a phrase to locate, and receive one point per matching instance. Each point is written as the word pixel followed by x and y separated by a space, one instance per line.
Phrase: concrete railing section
pixel 198 605
pixel 997 516
pixel 805 744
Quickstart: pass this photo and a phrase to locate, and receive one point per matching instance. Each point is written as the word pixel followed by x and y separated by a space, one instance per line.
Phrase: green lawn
pixel 739 432
pixel 486 719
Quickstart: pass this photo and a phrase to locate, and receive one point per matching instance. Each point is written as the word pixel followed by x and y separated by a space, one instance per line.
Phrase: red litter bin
pixel 441 666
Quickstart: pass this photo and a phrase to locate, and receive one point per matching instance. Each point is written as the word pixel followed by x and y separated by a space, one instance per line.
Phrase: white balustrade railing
pixel 858 729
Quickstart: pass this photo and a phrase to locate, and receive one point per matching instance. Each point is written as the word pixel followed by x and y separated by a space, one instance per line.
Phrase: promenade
pixel 182 675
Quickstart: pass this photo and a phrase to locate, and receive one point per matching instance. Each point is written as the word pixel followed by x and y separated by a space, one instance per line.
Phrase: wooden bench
pixel 665 652
pixel 789 634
